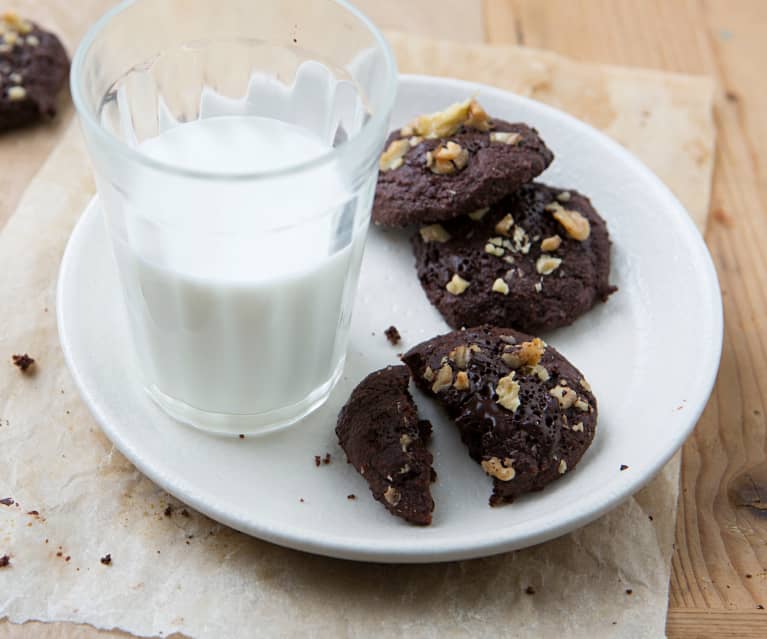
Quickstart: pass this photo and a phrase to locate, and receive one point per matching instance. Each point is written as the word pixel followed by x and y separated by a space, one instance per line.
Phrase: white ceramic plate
pixel 651 355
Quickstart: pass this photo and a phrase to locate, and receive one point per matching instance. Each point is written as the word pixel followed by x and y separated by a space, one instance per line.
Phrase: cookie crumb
pixel 301 500
pixel 351 496
pixel 629 591
pixel 759 607
pixel 242 436
pixel 624 467
pixel 185 513
pixel 168 510
pixel 34 513
pixel 392 334
pixel 529 590
pixel 326 459
pixel 317 460
pixel 24 362
pixel 7 501
pixel 106 560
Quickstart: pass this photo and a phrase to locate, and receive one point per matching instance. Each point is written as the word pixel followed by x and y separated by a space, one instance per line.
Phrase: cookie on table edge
pixel 536 260
pixel 33 70
pixel 526 414
pixel 384 440
pixel 453 162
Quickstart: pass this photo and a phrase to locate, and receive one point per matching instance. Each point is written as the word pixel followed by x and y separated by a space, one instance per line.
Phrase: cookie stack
pixel 503 258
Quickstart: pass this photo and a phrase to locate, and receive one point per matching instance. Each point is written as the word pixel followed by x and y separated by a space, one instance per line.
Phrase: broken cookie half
pixel 385 441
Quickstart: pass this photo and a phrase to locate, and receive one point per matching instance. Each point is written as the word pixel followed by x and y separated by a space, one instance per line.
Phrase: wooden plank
pixel 720 562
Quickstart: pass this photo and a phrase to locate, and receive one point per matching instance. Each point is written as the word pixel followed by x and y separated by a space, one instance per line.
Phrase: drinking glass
pixel 235 146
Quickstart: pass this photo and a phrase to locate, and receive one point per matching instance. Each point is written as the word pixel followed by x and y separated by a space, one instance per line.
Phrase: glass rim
pixel 88 117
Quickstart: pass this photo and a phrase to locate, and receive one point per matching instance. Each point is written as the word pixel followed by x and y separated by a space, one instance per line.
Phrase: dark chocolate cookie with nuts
pixel 384 440
pixel 536 260
pixel 33 70
pixel 453 162
pixel 525 413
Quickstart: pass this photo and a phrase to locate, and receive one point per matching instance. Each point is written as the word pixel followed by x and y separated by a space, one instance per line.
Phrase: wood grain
pixel 719 578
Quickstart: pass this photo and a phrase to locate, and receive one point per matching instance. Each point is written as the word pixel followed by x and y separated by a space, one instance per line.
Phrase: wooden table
pixel 719 577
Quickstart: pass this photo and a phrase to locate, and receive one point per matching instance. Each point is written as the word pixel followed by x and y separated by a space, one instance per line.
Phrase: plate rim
pixel 411 551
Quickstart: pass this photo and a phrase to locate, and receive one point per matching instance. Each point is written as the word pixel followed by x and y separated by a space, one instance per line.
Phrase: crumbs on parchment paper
pixel 392 334
pixel 24 362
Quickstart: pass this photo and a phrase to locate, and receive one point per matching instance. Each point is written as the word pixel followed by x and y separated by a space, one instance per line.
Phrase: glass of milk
pixel 235 147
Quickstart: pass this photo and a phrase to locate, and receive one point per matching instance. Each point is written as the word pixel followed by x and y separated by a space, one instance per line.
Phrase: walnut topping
pixel 391 159
pixel 414 140
pixel 502 470
pixel 11 38
pixel 457 285
pixel 444 379
pixel 461 381
pixel 521 240
pixel 15 78
pixel 564 196
pixel 460 356
pixel 505 137
pixel 477 118
pixel 494 250
pixel 478 214
pixel 562 467
pixel 445 123
pixel 540 371
pixel 581 405
pixel 428 374
pixel 551 243
pixel 565 396
pixel 404 470
pixel 392 496
pixel 499 286
pixel 578 428
pixel 434 233
pixel 447 159
pixel 508 392
pixel 33 40
pixel 13 21
pixel 576 225
pixel 584 384
pixel 17 93
pixel 504 225
pixel 508 339
pixel 404 441
pixel 547 264
pixel 524 354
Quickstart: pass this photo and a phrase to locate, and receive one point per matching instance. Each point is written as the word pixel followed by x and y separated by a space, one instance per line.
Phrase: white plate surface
pixel 651 355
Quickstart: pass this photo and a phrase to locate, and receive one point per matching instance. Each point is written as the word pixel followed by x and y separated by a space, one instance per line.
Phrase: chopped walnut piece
pixel 447 159
pixel 33 40
pixel 434 233
pixel 564 395
pixel 461 381
pixel 575 224
pixel 404 441
pixel 525 354
pixel 460 356
pixel 392 157
pixel 414 140
pixel 504 225
pixel 581 405
pixel 428 374
pixel 502 470
pixel 392 495
pixel 444 379
pixel 16 22
pixel 508 392
pixel 508 339
pixel 478 214
pixel 547 264
pixel 584 384
pixel 578 428
pixel 521 240
pixel 494 250
pixel 505 137
pixel 457 285
pixel 499 286
pixel 564 196
pixel 551 243
pixel 562 467
pixel 445 123
pixel 477 117
pixel 540 371
pixel 17 93
pixel 538 286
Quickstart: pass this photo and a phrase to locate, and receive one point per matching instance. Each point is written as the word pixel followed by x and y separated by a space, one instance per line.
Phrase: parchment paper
pixel 188 574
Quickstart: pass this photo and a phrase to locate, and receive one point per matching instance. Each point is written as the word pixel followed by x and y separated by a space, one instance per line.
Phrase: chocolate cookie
pixel 453 162
pixel 536 260
pixel 33 70
pixel 525 413
pixel 385 441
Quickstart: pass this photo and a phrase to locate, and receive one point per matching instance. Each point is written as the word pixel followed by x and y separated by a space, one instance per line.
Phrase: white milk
pixel 229 318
